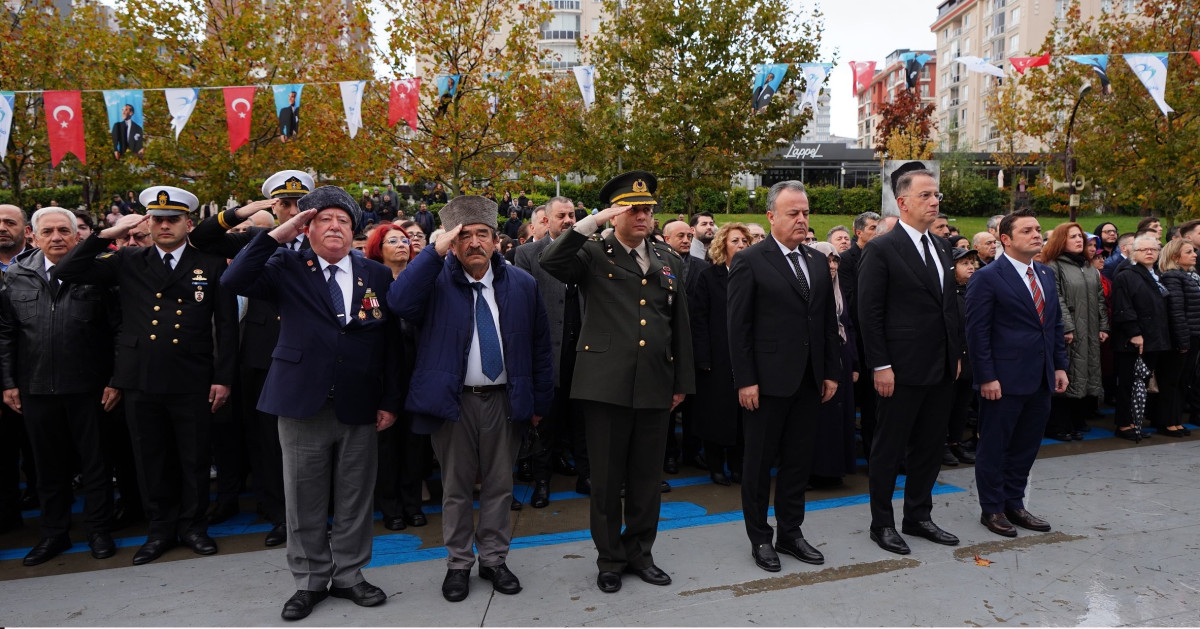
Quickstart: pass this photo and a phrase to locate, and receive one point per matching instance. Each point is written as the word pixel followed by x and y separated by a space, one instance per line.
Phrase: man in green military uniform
pixel 634 366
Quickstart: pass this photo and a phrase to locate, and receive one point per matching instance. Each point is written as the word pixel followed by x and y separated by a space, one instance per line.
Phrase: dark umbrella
pixel 1141 375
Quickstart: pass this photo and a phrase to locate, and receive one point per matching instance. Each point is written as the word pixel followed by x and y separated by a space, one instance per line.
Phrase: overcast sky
pixel 867 30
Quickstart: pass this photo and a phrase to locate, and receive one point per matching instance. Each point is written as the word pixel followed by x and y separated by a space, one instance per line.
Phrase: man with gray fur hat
pixel 492 372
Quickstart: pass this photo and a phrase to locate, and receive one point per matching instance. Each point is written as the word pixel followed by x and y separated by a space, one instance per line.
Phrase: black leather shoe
pixel 416 519
pixel 608 581
pixel 962 455
pixel 1060 436
pixel 221 512
pixel 1026 520
pixel 503 580
pixel 457 585
pixel 525 469
pixel 664 487
pixel 276 536
pixel 362 593
pixel 583 486
pixel 766 558
pixel 151 550
pixel 102 545
pixel 1077 435
pixel 1168 432
pixel 800 549
pixel 46 549
pixel 948 457
pixel 929 531
pixel 998 524
pixel 889 540
pixel 515 505
pixel 301 604
pixel 696 460
pixel 671 465
pixel 394 523
pixel 200 543
pixel 651 574
pixel 719 478
pixel 562 466
pixel 541 495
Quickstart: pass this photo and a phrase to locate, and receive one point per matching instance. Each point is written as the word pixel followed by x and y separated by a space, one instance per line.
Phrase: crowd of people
pixel 260 344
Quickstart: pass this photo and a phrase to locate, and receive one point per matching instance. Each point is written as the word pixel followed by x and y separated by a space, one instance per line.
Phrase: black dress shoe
pixel 651 574
pixel 515 505
pixel 1077 435
pixel 301 604
pixel 929 531
pixel 503 580
pixel 525 469
pixel 562 466
pixel 1060 436
pixel 948 457
pixel 394 523
pixel 221 512
pixel 800 549
pixel 416 519
pixel 46 549
pixel 719 478
pixel 889 540
pixel 608 581
pixel 200 543
pixel 541 495
pixel 1168 432
pixel 457 585
pixel 962 455
pixel 766 558
pixel 664 487
pixel 362 593
pixel 998 524
pixel 671 465
pixel 151 550
pixel 102 545
pixel 583 486
pixel 277 536
pixel 1026 520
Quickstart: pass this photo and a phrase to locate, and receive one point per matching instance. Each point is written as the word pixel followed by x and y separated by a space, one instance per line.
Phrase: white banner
pixel 1151 68
pixel 814 78
pixel 181 101
pixel 586 77
pixel 352 93
pixel 975 64
pixel 6 116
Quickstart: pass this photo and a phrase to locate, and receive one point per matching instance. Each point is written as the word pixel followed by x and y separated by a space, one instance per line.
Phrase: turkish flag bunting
pixel 402 102
pixel 863 72
pixel 1023 63
pixel 64 125
pixel 1196 55
pixel 239 105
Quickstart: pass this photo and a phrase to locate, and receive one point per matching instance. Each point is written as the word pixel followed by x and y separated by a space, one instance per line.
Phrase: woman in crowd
pixel 716 414
pixel 958 241
pixel 391 246
pixel 1178 365
pixel 369 215
pixel 966 261
pixel 833 457
pixel 1085 323
pixel 415 234
pixel 1139 325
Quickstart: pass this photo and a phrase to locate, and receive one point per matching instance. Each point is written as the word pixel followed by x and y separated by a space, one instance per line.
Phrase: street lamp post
pixel 1069 165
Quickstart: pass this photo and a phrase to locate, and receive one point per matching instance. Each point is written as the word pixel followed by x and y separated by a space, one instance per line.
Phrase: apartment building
pixel 886 84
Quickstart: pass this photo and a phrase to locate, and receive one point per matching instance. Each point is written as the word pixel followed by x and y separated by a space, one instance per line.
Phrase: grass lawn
pixel 967 225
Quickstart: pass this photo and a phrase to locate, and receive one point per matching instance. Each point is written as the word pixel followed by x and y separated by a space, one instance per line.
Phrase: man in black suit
pixel 782 318
pixel 762 95
pixel 127 134
pixel 908 320
pixel 679 235
pixel 289 119
pixel 864 226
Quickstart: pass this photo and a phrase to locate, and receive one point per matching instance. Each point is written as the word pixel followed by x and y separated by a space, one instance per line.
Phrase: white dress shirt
pixel 175 255
pixel 474 375
pixel 1022 269
pixel 343 278
pixel 916 239
pixel 803 262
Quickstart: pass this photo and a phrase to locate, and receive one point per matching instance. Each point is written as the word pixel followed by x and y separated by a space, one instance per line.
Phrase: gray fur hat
pixel 332 196
pixel 469 209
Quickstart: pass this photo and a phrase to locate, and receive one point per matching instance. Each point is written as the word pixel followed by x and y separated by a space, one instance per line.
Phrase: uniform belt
pixel 485 389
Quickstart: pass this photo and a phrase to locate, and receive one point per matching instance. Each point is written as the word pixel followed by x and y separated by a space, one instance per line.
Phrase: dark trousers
pixel 1124 363
pixel 1169 374
pixel 1010 432
pixel 15 456
pixel 563 433
pixel 910 427
pixel 233 436
pixel 959 409
pixel 61 427
pixel 865 397
pixel 118 453
pixel 171 446
pixel 625 446
pixel 266 458
pixel 785 427
pixel 404 461
pixel 1067 414
pixel 686 445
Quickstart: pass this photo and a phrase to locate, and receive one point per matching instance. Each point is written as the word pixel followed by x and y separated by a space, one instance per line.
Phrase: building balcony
pixel 551 36
pixel 569 6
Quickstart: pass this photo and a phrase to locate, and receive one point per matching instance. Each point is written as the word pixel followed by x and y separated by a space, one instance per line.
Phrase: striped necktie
pixel 1038 302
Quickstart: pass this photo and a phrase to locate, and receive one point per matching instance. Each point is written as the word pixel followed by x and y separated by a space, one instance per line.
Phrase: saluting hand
pixel 607 214
pixel 123 226
pixel 446 240
pixel 288 231
pixel 254 207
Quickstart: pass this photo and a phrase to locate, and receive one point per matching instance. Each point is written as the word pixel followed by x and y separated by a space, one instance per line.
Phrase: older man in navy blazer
pixel 1018 353
pixel 331 385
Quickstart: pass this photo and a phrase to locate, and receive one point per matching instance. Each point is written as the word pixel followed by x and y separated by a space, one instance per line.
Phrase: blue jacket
pixel 315 354
pixel 434 295
pixel 1111 264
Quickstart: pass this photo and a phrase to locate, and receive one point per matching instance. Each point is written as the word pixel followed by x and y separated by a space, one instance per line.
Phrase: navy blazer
pixel 1005 339
pixel 315 354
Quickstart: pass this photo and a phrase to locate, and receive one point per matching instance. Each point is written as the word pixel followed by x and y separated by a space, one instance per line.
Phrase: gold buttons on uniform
pixel 643 322
pixel 158 295
pixel 156 309
pixel 180 301
pixel 585 348
pixel 179 312
pixel 643 282
pixel 175 341
pixel 610 276
pixel 642 302
pixel 176 326
pixel 642 343
pixel 152 337
pixel 154 322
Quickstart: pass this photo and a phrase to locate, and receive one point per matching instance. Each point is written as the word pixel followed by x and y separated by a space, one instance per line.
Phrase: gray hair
pixel 835 229
pixel 773 193
pixel 53 209
pixel 860 221
pixel 905 180
pixel 560 199
pixel 886 225
pixel 994 222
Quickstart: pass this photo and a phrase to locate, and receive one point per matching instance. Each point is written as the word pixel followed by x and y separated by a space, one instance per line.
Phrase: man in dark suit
pixel 289 119
pixel 174 312
pixel 633 366
pixel 679 235
pixel 762 95
pixel 562 429
pixel 329 384
pixel 909 323
pixel 1018 353
pixel 127 134
pixel 783 341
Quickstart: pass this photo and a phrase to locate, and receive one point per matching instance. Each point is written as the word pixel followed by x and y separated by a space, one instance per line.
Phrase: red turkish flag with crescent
pixel 239 105
pixel 403 100
pixel 64 125
pixel 1196 55
pixel 863 72
pixel 1023 63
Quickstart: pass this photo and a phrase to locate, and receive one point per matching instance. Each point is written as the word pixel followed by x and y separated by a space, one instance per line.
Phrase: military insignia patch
pixel 199 296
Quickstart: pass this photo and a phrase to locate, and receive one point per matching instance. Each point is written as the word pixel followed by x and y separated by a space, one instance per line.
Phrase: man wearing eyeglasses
pixel 908 320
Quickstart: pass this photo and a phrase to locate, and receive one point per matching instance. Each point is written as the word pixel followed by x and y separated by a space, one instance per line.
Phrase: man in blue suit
pixel 330 384
pixel 1018 353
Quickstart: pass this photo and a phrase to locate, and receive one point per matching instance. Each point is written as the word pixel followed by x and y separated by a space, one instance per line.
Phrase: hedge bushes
pixel 69 197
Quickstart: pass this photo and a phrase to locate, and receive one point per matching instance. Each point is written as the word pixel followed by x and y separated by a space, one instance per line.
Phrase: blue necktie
pixel 489 341
pixel 335 293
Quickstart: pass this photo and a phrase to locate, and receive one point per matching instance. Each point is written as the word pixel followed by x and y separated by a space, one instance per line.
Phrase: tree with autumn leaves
pixel 905 129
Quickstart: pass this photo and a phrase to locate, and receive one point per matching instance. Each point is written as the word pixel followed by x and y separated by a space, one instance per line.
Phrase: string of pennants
pixel 1150 68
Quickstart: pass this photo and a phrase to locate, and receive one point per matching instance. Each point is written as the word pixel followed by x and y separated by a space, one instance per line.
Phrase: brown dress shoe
pixel 1026 520
pixel 998 524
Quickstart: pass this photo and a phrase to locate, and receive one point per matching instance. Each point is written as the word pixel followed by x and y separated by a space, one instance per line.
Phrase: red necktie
pixel 1038 302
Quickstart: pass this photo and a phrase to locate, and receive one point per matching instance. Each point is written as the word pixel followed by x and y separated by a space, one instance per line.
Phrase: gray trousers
pixel 320 453
pixel 481 444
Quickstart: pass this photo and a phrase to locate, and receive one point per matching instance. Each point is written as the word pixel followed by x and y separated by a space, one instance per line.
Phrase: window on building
pixel 924 90
pixel 966 21
pixel 966 49
pixel 1060 8
pixel 1106 6
pixel 595 25
pixel 925 72
pixel 945 101
pixel 1015 16
pixel 1014 43
pixel 964 93
pixel 998 23
pixel 1130 6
